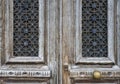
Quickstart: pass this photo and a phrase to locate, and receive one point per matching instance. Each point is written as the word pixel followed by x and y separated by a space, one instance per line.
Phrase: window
pixel 26 28
pixel 94 28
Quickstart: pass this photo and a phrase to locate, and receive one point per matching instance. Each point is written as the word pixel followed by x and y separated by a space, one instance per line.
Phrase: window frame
pixel 8 36
pixel 110 59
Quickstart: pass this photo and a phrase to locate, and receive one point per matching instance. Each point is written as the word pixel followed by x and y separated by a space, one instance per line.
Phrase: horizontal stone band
pixel 24 73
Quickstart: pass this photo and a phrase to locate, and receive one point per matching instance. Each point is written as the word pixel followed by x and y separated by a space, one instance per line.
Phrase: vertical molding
pixel 61 31
pixel 53 38
pixel 68 34
pixel 0 29
pixel 2 20
pixel 118 31
pixel 11 26
pixel 118 82
pixel 6 30
pixel 78 30
pixel 111 29
pixel 41 28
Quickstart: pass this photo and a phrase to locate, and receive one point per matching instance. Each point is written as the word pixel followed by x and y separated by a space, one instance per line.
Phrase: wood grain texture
pixel 67 36
pixel 72 44
pixel 60 47
pixel 95 83
pixel 47 62
pixel 118 31
pixel 8 36
pixel 0 28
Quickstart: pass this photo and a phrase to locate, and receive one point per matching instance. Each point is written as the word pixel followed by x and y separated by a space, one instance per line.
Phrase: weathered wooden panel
pixel 25 83
pixel 60 44
pixel 74 65
pixel 8 34
pixel 95 83
pixel 118 31
pixel 87 73
pixel 44 67
pixel 0 28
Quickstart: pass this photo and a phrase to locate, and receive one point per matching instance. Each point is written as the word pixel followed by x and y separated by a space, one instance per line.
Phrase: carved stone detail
pixel 24 73
pixel 88 74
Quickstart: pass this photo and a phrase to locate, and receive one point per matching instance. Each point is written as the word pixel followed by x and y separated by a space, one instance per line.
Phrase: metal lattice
pixel 26 27
pixel 94 28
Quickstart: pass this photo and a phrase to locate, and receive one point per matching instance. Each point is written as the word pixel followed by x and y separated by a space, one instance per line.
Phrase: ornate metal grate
pixel 26 27
pixel 94 28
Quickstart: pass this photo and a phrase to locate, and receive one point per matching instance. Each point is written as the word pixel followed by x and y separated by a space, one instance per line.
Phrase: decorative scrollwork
pixel 94 28
pixel 23 73
pixel 88 74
